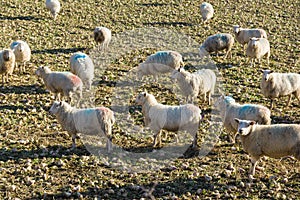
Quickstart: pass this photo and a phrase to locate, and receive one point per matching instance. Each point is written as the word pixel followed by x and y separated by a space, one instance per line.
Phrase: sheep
pixel 171 118
pixel 65 83
pixel 229 109
pixel 159 63
pixel 207 11
pixel 257 48
pixel 22 52
pixel 275 85
pixel 243 35
pixel 89 121
pixel 54 7
pixel 191 84
pixel 275 141
pixel 102 36
pixel 217 42
pixel 82 66
pixel 7 63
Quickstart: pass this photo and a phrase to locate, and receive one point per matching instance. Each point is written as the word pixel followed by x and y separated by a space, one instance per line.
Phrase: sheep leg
pixel 157 136
pixel 108 145
pixel 271 104
pixel 73 141
pixel 289 100
pixel 209 98
pixel 253 166
pixel 194 144
pixel 268 58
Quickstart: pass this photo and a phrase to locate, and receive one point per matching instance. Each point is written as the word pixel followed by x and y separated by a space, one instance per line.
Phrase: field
pixel 36 161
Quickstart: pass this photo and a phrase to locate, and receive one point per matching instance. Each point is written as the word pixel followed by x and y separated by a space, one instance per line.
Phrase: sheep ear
pixel 145 94
pixel 252 123
pixel 261 70
pixel 237 120
pixel 271 71
pixel 60 103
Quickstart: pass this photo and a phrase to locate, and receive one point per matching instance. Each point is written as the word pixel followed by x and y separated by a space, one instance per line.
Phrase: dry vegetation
pixel 35 157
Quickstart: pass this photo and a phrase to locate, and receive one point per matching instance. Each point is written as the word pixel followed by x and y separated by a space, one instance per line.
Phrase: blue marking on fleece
pixel 229 99
pixel 223 37
pixel 247 108
pixel 15 43
pixel 80 55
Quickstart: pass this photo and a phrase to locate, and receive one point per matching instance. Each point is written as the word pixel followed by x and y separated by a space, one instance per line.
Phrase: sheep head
pixel 177 74
pixel 253 42
pixel 41 70
pixel 202 52
pixel 58 106
pixel 7 55
pixel 236 29
pixel 244 126
pixel 141 97
pixel 267 74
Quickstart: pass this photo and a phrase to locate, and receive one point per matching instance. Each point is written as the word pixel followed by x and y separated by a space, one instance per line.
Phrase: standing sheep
pixel 207 11
pixel 159 63
pixel 22 52
pixel 276 141
pixel 90 121
pixel 257 48
pixel 102 36
pixel 217 42
pixel 275 85
pixel 54 7
pixel 191 84
pixel 64 83
pixel 82 66
pixel 7 63
pixel 171 118
pixel 243 35
pixel 229 110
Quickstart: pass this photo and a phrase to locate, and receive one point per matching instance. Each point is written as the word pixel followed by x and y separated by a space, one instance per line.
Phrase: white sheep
pixel 275 85
pixel 191 84
pixel 89 121
pixel 243 35
pixel 159 63
pixel 171 118
pixel 257 48
pixel 7 63
pixel 82 66
pixel 22 52
pixel 217 42
pixel 276 141
pixel 229 110
pixel 65 83
pixel 102 36
pixel 54 7
pixel 207 11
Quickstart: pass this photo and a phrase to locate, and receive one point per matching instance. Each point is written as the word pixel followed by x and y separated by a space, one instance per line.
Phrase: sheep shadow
pixel 57 51
pixel 151 4
pixel 56 151
pixel 22 89
pixel 24 18
pixel 168 24
pixel 178 187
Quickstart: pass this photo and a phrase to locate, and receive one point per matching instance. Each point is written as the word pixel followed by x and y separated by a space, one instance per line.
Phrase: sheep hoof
pixel 251 178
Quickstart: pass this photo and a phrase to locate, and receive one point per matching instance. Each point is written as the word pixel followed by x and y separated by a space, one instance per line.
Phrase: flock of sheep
pixel 253 123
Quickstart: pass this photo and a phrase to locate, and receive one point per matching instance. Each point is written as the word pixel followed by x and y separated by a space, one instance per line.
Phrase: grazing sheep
pixel 191 84
pixel 82 65
pixel 243 36
pixel 276 141
pixel 171 118
pixel 207 11
pixel 7 63
pixel 275 85
pixel 22 52
pixel 217 42
pixel 229 109
pixel 257 48
pixel 54 7
pixel 102 36
pixel 89 121
pixel 64 83
pixel 159 63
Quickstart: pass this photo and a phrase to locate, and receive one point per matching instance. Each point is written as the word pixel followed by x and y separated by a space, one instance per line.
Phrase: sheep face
pixel 202 52
pixel 140 99
pixel 98 35
pixel 176 74
pixel 244 126
pixel 57 106
pixel 253 42
pixel 236 29
pixel 7 55
pixel 266 74
pixel 41 70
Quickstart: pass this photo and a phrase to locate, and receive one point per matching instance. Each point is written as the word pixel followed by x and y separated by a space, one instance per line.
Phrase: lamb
pixel 22 52
pixel 159 63
pixel 102 36
pixel 65 83
pixel 275 85
pixel 243 35
pixel 82 66
pixel 7 63
pixel 217 42
pixel 90 121
pixel 191 84
pixel 257 48
pixel 171 118
pixel 54 7
pixel 276 141
pixel 207 11
pixel 229 109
